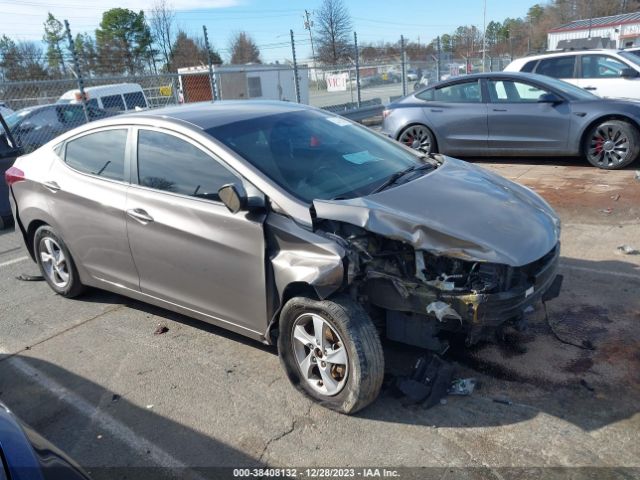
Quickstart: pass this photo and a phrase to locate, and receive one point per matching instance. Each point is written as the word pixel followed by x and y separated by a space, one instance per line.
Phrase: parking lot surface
pixel 91 375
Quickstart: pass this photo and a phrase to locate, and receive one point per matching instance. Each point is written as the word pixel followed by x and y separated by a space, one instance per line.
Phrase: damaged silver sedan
pixel 291 226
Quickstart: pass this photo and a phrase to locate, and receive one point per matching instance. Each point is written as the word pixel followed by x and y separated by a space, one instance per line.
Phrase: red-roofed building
pixel 622 30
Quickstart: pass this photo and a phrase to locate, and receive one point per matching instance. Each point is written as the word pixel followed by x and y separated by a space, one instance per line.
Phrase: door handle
pixel 51 185
pixel 499 109
pixel 140 215
pixel 436 110
pixel 590 88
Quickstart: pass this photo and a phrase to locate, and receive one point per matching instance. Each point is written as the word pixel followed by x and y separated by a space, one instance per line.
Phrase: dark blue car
pixel 25 455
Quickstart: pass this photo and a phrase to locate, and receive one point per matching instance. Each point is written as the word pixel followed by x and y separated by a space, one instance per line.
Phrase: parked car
pixel 25 455
pixel 119 97
pixel 507 114
pixel 289 225
pixel 8 154
pixel 606 73
pixel 35 126
pixel 5 111
pixel 412 76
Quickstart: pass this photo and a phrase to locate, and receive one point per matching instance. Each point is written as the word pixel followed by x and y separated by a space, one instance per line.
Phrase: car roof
pixel 505 74
pixel 207 115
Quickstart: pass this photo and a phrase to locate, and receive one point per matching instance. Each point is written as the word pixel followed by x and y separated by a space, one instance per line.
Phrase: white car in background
pixel 119 97
pixel 606 73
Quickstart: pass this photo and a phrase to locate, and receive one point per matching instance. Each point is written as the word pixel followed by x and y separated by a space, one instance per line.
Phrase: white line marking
pixel 105 421
pixel 601 272
pixel 11 262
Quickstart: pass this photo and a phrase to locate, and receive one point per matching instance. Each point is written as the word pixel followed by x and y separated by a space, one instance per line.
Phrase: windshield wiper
pixel 398 175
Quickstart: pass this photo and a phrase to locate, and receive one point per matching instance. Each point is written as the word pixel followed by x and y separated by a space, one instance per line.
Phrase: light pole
pixel 308 24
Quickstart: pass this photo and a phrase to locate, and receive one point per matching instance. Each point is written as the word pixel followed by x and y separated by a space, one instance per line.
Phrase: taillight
pixel 386 113
pixel 13 175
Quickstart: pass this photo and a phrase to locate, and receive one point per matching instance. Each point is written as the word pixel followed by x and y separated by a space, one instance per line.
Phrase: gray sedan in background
pixel 516 114
pixel 291 226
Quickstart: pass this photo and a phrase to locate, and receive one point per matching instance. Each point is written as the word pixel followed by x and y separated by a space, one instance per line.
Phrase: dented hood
pixel 458 210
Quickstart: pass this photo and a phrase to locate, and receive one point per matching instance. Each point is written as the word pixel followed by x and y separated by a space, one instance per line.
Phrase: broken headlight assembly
pixel 455 275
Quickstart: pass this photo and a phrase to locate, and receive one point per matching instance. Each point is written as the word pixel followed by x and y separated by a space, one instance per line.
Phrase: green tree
pixel 123 41
pixel 54 36
pixel 187 52
pixel 85 47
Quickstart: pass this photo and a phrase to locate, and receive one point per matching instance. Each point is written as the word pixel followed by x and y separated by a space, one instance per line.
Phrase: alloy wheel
pixel 418 138
pixel 320 353
pixel 609 146
pixel 54 262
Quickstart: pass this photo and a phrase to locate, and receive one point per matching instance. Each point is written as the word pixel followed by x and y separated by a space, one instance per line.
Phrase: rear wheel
pixel 612 144
pixel 331 352
pixel 56 264
pixel 419 137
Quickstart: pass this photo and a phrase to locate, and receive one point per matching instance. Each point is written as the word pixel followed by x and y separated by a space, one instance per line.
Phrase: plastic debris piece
pixel 503 400
pixel 149 407
pixel 442 311
pixel 615 197
pixel 606 211
pixel 23 277
pixel 627 250
pixel 161 329
pixel 586 385
pixel 462 386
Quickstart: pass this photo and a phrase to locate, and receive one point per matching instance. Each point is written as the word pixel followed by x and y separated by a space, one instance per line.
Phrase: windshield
pixel 313 155
pixel 576 92
pixel 15 118
pixel 631 56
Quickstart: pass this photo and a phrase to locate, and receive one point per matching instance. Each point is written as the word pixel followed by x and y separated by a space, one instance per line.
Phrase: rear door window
pixel 557 67
pixel 168 163
pixel 601 66
pixel 466 92
pixel 135 99
pixel 529 66
pixel 100 153
pixel 113 103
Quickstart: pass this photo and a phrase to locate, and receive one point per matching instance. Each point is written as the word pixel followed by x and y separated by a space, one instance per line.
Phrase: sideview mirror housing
pixel 549 98
pixel 629 73
pixel 234 197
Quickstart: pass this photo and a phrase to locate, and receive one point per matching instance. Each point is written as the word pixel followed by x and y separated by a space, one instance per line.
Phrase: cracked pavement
pixel 90 375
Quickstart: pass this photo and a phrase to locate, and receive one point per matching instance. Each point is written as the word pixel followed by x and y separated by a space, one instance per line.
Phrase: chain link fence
pixel 47 108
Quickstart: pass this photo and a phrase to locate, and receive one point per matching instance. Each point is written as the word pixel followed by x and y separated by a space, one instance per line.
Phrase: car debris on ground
pixel 627 250
pixel 161 329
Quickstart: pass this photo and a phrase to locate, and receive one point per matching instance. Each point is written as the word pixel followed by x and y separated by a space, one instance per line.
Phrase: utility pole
pixel 403 59
pixel 308 25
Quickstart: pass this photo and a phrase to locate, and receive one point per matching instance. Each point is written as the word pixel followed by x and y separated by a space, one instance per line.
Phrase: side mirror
pixel 234 197
pixel 629 73
pixel 549 98
pixel 26 127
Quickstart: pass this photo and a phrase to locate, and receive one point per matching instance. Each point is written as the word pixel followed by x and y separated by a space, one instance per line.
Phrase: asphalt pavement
pixel 91 375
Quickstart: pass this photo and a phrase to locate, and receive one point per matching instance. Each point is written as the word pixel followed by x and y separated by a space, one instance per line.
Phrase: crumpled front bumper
pixel 481 312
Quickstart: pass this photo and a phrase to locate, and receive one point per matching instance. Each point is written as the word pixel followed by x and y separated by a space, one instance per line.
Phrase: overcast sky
pixel 268 21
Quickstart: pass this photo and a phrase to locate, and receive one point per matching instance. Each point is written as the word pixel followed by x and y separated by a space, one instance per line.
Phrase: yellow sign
pixel 165 91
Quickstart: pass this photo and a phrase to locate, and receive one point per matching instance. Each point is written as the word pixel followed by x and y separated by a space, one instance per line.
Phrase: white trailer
pixel 236 82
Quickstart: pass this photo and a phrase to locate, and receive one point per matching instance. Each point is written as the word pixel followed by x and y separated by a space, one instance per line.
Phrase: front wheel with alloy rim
pixel 55 262
pixel 331 352
pixel 418 137
pixel 612 144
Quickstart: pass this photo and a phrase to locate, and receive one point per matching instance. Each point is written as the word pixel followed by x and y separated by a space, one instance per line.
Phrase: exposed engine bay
pixel 412 295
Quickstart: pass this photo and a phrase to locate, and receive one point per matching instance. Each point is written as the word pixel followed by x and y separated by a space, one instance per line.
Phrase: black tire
pixel 621 136
pixel 419 137
pixel 362 344
pixel 73 286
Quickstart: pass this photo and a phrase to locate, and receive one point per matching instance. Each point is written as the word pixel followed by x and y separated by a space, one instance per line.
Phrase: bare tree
pixel 244 49
pixel 162 21
pixel 333 24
